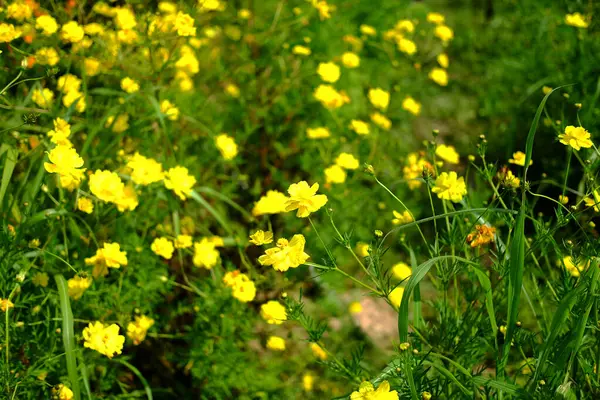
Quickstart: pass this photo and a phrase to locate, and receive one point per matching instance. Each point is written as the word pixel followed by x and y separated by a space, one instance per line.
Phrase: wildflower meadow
pixel 299 199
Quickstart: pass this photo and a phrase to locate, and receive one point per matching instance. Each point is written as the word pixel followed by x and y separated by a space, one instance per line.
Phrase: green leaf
pixel 68 334
pixel 9 165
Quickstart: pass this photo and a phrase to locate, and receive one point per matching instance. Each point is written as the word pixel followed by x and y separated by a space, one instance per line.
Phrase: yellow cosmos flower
pixel 65 162
pixel 261 237
pixel 62 392
pixel 72 32
pixel 355 307
pixel 242 286
pixel 205 254
pixel 6 304
pixel 577 20
pixel 439 76
pixel 575 269
pixel 274 202
pixel 395 296
pixel 406 46
pixel 84 204
pixel 179 181
pixel 416 164
pixel 447 153
pixel 381 121
pixel 576 137
pixel 366 391
pixel 448 186
pixel 124 18
pixel 563 199
pixel 335 174
pixel 77 286
pixel 329 97
pixel 435 18
pixel 367 30
pixel 519 159
pixel 444 33
pixel 443 60
pixel 47 56
pixel 411 105
pixel 170 110
pixel 276 343
pixel 61 132
pixel 508 179
pixel 304 198
pixel 401 271
pixel 8 33
pixel 42 97
pixel 593 202
pixel 301 50
pixel 379 98
pixel 106 185
pixel 104 339
pixel 318 133
pixel 163 247
pixel 360 127
pixel 273 312
pixel 46 24
pixel 183 241
pixel 19 10
pixel 347 161
pixel 184 25
pixel 109 256
pixel 402 218
pixel 137 329
pixel 318 351
pixel 286 254
pixel 482 234
pixel 226 146
pixel 350 60
pixel 329 72
pixel 144 171
pixel 129 85
pixel 308 382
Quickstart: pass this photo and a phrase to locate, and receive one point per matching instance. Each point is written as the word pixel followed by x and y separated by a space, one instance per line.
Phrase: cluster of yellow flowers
pixel 242 286
pixel 137 329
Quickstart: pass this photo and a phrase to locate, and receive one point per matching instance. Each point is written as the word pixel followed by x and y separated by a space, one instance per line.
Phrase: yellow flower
pixel 226 146
pixel 318 133
pixel 401 271
pixel 304 198
pixel 43 98
pixel 323 8
pixel 261 237
pixel 109 256
pixel 436 18
pixel 447 153
pixel 205 254
pixel 439 76
pixel 286 254
pixel 329 97
pixel 577 20
pixel 243 288
pixel 401 219
pixel 127 199
pixel 448 186
pixel 106 185
pixel 65 162
pixel 483 234
pixel 519 159
pixel 414 169
pixel 563 199
pixel 443 60
pixel 46 24
pixel 184 24
pixel 347 161
pixel 595 202
pixel 355 307
pixel 104 339
pixel 508 179
pixel 575 269
pixel 366 391
pixel 576 137
pixel 93 28
pixel 6 304
pixel 62 392
pixel 232 90
pixel 179 181
pixel 308 381
pixel 77 285
pixel 379 98
pixel 360 127
pixel 276 343
pixel 84 204
pixel 188 62
pixel 40 279
pixel 71 32
pixel 47 56
pixel 404 25
pixel 183 241
pixel 362 249
pixel 273 202
pixel 350 60
pixel 170 110
pixel 412 106
pixel 8 33
pixel 445 33
pixel 124 18
pixel 129 85
pixel 18 10
pixel 301 50
pixel 318 351
pixel 138 329
pixel 209 5
pixel 381 121
pixel 329 72
pixel 163 247
pixel 406 46
pixel 396 296
pixel 273 312
pixel 144 171
pixel 69 83
pixel 335 174
pixel 367 30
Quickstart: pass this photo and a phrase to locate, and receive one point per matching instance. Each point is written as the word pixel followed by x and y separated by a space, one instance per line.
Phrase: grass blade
pixel 68 334
pixel 417 318
pixel 450 376
pixel 137 373
pixel 194 195
pixel 9 166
